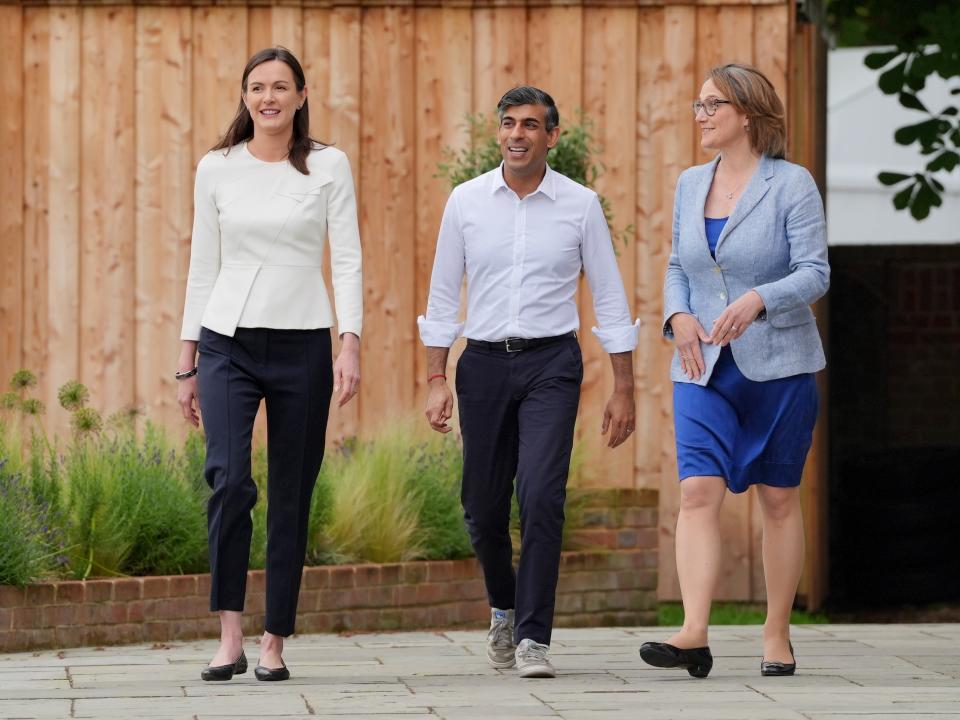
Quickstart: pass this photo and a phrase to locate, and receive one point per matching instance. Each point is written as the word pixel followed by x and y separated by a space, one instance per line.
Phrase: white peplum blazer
pixel 256 255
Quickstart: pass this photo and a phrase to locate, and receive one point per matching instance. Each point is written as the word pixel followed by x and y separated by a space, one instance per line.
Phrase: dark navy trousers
pixel 292 370
pixel 517 415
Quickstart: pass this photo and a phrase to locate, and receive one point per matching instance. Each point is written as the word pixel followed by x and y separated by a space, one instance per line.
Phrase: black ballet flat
pixel 773 668
pixel 216 673
pixel 272 674
pixel 697 661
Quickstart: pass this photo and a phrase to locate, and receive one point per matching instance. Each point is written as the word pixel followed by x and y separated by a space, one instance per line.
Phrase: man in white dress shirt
pixel 522 233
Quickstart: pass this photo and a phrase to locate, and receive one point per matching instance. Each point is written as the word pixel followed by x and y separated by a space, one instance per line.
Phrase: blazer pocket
pixel 791 318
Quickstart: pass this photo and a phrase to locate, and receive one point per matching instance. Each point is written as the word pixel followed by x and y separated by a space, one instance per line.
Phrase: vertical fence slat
pixel 387 219
pixel 51 219
pixel 107 359
pixel 555 54
pixel 12 287
pixel 499 54
pixel 332 40
pixel 163 202
pixel 444 78
pixel 218 61
pixel 610 94
pixel 665 82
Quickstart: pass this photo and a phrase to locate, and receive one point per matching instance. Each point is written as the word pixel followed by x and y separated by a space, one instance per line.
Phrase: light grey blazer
pixel 775 242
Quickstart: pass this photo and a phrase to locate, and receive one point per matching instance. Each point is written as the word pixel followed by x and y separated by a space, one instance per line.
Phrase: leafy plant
pixel 573 156
pixel 924 36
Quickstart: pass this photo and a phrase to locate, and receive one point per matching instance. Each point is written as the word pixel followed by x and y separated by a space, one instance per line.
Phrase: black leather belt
pixel 518 344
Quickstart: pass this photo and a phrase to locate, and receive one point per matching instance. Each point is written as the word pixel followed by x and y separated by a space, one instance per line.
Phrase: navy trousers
pixel 517 415
pixel 292 371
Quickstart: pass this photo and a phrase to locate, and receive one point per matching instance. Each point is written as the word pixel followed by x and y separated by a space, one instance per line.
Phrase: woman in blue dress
pixel 749 256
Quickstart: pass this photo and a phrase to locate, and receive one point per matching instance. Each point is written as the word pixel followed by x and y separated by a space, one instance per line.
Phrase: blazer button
pixel 716 269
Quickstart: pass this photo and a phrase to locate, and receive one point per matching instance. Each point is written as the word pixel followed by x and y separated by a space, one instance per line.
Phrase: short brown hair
pixel 750 92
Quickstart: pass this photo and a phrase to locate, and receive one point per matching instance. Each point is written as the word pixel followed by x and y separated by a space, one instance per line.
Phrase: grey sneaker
pixel 500 646
pixel 532 660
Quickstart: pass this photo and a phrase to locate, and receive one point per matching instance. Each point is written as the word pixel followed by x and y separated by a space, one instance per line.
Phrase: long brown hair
pixel 750 92
pixel 241 128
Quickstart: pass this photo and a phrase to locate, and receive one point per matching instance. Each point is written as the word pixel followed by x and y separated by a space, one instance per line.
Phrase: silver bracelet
pixel 187 374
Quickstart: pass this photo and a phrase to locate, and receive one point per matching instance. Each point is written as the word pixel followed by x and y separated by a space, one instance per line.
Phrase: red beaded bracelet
pixel 435 376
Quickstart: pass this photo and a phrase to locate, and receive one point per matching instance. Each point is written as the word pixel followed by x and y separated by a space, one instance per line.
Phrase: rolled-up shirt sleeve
pixel 346 257
pixel 204 252
pixel 439 327
pixel 616 332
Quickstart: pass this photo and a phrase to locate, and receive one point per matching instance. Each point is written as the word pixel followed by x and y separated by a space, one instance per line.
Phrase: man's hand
pixel 620 415
pixel 439 405
pixel 439 398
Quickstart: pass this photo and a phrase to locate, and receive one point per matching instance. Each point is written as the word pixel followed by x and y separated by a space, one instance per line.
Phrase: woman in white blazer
pixel 749 256
pixel 258 315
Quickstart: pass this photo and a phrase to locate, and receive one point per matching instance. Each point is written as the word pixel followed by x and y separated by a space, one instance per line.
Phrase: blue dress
pixel 744 431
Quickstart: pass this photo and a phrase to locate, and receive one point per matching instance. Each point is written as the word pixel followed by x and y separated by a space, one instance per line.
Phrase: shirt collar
pixel 548 186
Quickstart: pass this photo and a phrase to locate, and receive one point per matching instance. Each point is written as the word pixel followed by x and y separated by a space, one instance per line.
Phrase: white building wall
pixel 861 122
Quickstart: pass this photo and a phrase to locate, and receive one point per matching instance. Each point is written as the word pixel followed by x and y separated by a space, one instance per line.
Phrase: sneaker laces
pixel 501 634
pixel 536 652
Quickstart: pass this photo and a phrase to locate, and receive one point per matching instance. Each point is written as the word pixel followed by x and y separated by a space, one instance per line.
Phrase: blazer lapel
pixel 754 193
pixel 700 203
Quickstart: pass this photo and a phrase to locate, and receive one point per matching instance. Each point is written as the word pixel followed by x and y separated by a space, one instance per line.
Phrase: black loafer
pixel 272 674
pixel 696 661
pixel 774 668
pixel 225 672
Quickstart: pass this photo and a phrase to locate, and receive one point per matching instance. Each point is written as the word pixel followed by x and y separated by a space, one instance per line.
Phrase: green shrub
pixel 373 517
pixel 30 539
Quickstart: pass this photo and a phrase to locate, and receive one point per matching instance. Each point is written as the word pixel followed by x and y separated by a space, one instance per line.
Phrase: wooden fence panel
pixel 668 82
pixel 107 162
pixel 499 54
pixel 51 321
pixel 12 191
pixel 610 91
pixel 387 215
pixel 164 202
pixel 444 78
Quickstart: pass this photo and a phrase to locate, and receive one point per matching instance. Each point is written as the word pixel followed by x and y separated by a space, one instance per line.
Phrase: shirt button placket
pixel 519 228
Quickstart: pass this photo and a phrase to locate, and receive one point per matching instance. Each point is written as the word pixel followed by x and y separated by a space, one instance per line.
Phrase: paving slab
pixel 846 672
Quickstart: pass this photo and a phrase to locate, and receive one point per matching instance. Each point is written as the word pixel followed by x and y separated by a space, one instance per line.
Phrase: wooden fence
pixel 109 107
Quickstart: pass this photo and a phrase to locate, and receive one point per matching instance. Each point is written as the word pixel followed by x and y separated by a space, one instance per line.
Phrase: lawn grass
pixel 734 614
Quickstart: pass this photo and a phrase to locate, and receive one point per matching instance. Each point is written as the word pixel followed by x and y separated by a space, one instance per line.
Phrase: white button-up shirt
pixel 522 258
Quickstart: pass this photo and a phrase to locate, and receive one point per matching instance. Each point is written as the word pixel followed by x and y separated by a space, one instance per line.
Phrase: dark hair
pixel 752 93
pixel 528 95
pixel 241 129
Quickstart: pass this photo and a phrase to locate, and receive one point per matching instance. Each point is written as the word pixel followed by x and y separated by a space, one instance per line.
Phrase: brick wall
pixel 612 582
pixel 895 347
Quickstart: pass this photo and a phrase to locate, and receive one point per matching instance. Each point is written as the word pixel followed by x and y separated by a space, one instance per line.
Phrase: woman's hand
pixel 687 335
pixel 346 371
pixel 734 321
pixel 188 396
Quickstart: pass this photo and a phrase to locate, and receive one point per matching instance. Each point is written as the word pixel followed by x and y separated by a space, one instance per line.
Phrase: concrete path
pixel 854 672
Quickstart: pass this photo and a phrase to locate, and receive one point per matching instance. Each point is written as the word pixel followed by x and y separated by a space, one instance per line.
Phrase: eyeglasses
pixel 709 107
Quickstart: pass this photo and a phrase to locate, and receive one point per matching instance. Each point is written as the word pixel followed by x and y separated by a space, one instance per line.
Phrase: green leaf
pixel 909 100
pixel 902 198
pixel 892 178
pixel 877 60
pixel 892 80
pixel 950 111
pixel 947 160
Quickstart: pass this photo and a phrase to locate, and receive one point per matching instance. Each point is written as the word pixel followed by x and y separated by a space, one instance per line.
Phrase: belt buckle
pixel 506 344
